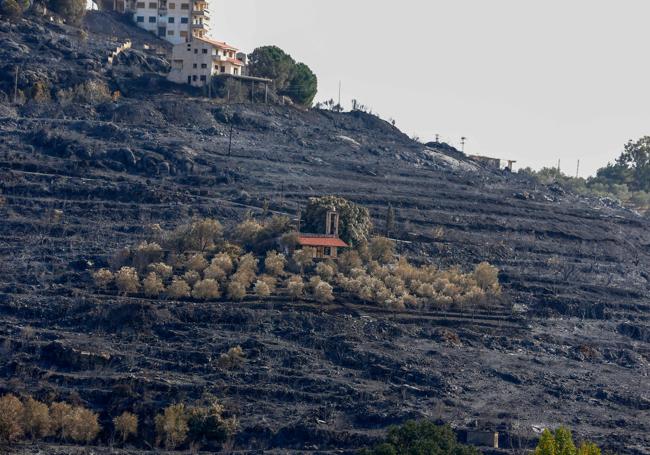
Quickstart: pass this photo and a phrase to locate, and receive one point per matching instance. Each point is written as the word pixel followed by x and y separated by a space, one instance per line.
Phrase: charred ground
pixel 571 344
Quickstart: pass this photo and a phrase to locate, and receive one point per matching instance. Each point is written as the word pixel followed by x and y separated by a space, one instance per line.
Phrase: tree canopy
pixel 354 223
pixel 295 80
pixel 421 438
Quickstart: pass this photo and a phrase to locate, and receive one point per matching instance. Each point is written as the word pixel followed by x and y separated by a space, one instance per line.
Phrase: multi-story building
pixel 176 21
pixel 196 61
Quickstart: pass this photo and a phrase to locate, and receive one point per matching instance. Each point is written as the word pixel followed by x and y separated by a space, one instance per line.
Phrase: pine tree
pixel 588 448
pixel 564 442
pixel 390 220
pixel 546 444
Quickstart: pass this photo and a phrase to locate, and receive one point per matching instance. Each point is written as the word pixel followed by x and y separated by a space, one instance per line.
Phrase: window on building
pixel 172 6
pixel 196 51
pixel 194 77
pixel 170 20
pixel 203 78
pixel 194 65
pixel 184 35
pixel 223 69
pixel 140 19
pixel 184 20
pixel 205 51
pixel 185 6
pixel 204 65
pixel 236 71
pixel 140 5
pixel 189 79
pixel 170 32
pixel 153 5
pixel 152 19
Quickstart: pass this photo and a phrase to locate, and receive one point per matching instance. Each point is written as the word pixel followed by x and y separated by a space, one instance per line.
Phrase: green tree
pixel 421 438
pixel 71 10
pixel 564 442
pixel 588 448
pixel 10 9
pixel 354 224
pixel 302 86
pixel 273 63
pixel 546 444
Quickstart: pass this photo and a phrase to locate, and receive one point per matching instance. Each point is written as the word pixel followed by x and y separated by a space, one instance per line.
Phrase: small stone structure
pixel 495 163
pixel 483 438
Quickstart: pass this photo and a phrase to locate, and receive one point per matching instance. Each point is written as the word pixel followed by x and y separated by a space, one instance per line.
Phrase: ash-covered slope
pixel 83 179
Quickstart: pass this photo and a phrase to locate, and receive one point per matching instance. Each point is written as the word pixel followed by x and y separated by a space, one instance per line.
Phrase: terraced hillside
pixel 570 344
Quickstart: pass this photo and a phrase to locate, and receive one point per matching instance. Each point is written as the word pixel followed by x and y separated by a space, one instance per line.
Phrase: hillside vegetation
pixel 106 301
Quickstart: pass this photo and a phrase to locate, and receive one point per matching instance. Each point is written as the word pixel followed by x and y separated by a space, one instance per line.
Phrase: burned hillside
pixel 82 177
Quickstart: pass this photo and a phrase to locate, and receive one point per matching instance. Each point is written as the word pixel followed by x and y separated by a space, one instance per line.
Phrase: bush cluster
pixel 197 261
pixel 560 442
pixel 179 424
pixel 36 420
pixel 422 437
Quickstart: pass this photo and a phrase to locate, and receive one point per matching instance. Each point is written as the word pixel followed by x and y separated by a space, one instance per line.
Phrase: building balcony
pixel 201 13
pixel 199 26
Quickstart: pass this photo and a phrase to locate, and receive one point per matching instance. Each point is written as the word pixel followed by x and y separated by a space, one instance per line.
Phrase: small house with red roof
pixel 325 246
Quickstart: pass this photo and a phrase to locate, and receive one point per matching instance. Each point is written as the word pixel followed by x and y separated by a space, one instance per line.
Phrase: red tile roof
pixel 319 240
pixel 219 44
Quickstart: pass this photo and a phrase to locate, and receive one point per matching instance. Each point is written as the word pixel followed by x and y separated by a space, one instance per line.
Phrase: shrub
pixel 197 263
pixel 103 277
pixel 274 263
pixel 10 9
pixel 262 289
pixel 325 271
pixel 236 291
pixel 191 277
pixel 126 425
pixel 486 276
pixel 71 10
pixel 36 419
pixel 422 438
pixel 231 359
pixel 204 233
pixel 382 250
pixel 207 289
pixel 304 258
pixel 145 254
pixel 200 235
pixel 127 280
pixel 247 232
pixel 349 260
pixel 215 272
pixel 178 289
pixel 161 269
pixel 209 424
pixel 270 281
pixel 171 426
pixel 153 285
pixel 224 262
pixel 60 418
pixel 323 292
pixel 295 286
pixel 83 425
pixel 11 412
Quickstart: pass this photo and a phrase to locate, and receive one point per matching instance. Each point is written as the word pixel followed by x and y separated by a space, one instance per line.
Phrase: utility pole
pixel 339 96
pixel 437 138
pixel 266 93
pixel 578 169
pixel 16 86
pixel 462 144
pixel 559 169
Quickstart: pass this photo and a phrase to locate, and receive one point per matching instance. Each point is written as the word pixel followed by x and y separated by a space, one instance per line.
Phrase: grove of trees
pixel 295 80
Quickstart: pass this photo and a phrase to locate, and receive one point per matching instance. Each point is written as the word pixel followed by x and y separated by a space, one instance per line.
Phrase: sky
pixel 527 80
